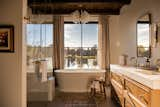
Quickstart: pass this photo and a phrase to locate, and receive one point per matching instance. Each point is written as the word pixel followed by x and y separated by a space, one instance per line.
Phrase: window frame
pixel 81 65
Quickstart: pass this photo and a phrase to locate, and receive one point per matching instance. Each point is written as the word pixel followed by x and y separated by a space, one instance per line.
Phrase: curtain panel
pixel 104 45
pixel 58 42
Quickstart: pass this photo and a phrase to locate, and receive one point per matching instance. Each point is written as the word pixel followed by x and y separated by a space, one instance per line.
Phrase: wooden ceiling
pixel 95 7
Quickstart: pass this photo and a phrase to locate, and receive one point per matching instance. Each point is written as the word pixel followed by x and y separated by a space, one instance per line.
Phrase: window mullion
pixel 81 44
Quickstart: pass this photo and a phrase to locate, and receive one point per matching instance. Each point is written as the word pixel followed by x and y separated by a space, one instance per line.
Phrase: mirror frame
pixel 148 22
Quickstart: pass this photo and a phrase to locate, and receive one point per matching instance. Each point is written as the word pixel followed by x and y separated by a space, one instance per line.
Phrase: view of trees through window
pixel 39 43
pixel 80 46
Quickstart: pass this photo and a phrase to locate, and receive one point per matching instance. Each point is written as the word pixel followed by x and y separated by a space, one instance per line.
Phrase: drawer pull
pixel 142 97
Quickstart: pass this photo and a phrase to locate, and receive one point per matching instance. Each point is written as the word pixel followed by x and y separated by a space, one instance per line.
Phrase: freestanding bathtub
pixel 76 80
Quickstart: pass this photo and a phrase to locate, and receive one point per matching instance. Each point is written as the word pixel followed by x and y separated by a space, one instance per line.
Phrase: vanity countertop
pixel 150 80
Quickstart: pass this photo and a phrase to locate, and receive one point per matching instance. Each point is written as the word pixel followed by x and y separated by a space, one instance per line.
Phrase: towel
pixel 44 70
pixel 37 69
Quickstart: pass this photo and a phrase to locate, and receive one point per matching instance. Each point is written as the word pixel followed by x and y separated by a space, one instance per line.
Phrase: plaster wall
pixel 123 29
pixel 12 65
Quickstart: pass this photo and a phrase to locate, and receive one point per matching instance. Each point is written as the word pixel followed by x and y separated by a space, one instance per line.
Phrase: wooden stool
pixel 94 89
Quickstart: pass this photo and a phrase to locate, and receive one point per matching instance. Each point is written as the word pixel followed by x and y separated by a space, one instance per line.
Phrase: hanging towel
pixel 37 69
pixel 44 70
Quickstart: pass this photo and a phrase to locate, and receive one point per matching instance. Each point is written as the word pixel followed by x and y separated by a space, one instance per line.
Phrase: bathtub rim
pixel 80 71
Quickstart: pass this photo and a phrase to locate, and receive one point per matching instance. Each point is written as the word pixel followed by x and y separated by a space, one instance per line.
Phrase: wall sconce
pixel 26 19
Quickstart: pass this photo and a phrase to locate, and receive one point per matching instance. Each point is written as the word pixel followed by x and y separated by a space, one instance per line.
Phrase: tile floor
pixel 76 100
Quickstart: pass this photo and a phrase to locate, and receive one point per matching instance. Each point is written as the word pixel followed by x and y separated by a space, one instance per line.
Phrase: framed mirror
pixel 143 36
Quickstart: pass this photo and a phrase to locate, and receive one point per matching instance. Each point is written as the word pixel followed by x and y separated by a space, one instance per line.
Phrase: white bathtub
pixel 76 80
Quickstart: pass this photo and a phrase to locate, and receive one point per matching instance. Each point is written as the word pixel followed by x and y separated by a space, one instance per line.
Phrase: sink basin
pixel 149 72
pixel 148 68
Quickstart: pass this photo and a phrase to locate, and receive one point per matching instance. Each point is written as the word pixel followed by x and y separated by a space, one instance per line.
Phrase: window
pixel 80 46
pixel 39 41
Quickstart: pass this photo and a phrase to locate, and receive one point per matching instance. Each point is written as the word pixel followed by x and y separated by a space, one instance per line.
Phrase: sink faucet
pixel 147 62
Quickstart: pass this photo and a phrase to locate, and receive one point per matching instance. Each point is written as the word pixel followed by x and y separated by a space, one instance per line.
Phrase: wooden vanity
pixel 131 91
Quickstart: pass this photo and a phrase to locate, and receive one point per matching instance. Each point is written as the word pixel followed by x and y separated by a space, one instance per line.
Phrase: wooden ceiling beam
pixel 78 1
pixel 97 5
pixel 69 11
pixel 108 7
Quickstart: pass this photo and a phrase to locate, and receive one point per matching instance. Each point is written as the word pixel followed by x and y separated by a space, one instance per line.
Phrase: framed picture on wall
pixel 6 38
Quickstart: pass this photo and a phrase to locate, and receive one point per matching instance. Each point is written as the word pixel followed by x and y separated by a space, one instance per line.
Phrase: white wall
pixel 12 66
pixel 123 28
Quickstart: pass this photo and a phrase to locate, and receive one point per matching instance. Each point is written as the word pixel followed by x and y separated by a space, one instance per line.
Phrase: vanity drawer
pixel 121 98
pixel 128 103
pixel 140 92
pixel 117 78
pixel 132 103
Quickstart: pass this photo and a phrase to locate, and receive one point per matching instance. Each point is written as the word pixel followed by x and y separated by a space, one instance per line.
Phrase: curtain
pixel 58 43
pixel 104 46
